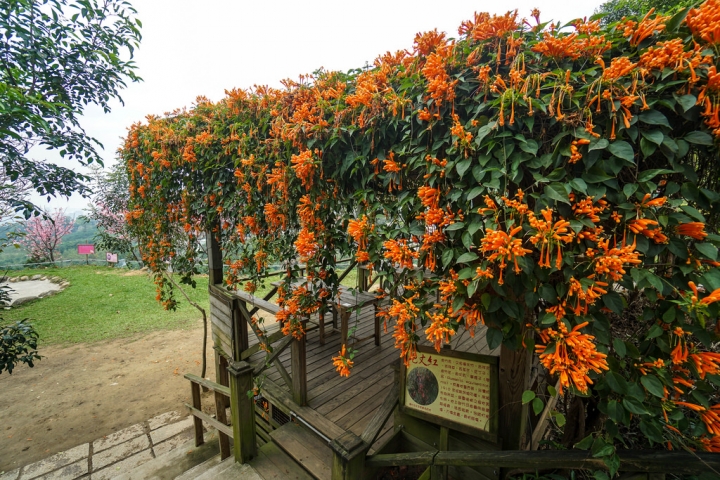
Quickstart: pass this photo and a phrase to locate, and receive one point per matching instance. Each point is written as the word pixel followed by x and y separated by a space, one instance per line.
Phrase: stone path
pixel 25 289
pixel 114 454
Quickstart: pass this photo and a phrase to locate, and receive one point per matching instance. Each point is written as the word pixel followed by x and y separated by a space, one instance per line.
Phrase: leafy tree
pixel 109 208
pixel 43 234
pixel 57 57
pixel 615 10
pixel 18 344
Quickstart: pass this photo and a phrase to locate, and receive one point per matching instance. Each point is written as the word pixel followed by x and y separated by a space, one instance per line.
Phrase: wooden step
pixel 305 448
pixel 274 464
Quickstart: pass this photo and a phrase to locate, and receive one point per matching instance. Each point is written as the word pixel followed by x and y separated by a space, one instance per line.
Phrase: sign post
pixel 86 250
pixel 111 257
pixel 453 389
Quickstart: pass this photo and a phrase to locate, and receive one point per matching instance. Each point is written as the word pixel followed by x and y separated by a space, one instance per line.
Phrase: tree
pixel 615 10
pixel 44 233
pixel 57 57
pixel 109 209
pixel 18 344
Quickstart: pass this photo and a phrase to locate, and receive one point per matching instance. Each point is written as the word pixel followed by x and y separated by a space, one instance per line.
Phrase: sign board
pixel 86 249
pixel 111 257
pixel 454 389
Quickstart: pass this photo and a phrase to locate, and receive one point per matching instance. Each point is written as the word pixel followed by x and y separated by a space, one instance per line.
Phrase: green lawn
pixel 103 303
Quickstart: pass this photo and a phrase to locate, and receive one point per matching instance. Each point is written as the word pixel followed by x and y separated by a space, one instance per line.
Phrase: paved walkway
pixel 114 454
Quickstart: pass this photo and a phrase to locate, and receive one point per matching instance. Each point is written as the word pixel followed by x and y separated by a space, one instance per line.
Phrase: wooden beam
pixel 215 263
pixel 280 348
pixel 197 422
pixel 243 411
pixel 204 417
pixel 215 387
pixel 514 369
pixel 400 459
pixel 298 354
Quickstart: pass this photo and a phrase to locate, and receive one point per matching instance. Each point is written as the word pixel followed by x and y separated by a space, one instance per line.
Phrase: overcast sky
pixel 192 48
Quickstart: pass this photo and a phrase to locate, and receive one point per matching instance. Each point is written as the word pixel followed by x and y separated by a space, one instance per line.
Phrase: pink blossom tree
pixel 44 233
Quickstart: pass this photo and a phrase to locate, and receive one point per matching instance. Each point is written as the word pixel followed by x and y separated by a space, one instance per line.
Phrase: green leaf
pixel 622 149
pixel 633 405
pixel 585 443
pixel 655 136
pixel 579 185
pixel 557 192
pixel 654 332
pixel 673 24
pixel 559 419
pixel 475 192
pixel 447 257
pixel 467 257
pixel 616 382
pixel 599 145
pixel 494 338
pixel 653 385
pixel 686 101
pixel 463 167
pixel 693 212
pixel 648 175
pixel 653 117
pixel 537 406
pixel 615 411
pixel 629 189
pixel 455 226
pixel 619 347
pixel 707 249
pixel 699 138
pixel 613 301
pixel 527 396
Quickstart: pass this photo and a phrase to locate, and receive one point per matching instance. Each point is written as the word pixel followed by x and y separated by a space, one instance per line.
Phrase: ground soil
pixel 80 393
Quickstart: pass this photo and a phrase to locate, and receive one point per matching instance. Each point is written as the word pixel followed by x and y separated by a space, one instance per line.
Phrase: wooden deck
pixel 350 402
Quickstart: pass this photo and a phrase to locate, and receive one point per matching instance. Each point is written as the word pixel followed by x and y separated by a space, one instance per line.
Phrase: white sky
pixel 188 51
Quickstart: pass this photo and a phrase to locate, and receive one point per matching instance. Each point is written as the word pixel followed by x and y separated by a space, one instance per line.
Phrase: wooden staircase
pixel 305 448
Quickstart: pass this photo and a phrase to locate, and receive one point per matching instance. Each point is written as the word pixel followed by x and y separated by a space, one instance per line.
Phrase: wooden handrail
pixel 654 461
pixel 381 415
pixel 215 387
pixel 225 433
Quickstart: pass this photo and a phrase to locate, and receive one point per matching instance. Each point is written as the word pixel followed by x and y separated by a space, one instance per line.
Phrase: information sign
pixel 452 387
pixel 111 257
pixel 86 249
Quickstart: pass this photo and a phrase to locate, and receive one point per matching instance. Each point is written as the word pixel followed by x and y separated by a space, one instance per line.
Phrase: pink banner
pixel 86 249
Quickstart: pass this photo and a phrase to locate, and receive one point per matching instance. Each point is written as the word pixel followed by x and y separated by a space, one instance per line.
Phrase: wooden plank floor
pixel 350 402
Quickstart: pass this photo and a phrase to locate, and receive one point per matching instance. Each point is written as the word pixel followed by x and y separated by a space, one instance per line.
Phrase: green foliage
pixel 18 344
pixel 58 56
pixel 520 177
pixel 616 10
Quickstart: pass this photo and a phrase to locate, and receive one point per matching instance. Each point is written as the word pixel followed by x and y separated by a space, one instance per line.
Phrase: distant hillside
pixel 83 233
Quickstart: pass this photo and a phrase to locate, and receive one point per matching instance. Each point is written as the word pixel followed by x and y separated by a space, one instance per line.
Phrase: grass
pixel 103 303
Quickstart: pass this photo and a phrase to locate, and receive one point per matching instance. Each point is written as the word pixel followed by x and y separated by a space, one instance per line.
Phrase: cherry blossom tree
pixel 44 234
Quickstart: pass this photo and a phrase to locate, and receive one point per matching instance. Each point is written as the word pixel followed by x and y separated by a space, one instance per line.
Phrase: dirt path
pixel 80 393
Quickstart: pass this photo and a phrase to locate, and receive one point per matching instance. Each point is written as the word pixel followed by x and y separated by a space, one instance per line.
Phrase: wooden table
pixel 344 304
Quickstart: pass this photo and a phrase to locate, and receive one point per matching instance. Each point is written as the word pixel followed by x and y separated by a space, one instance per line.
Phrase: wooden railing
pixel 225 433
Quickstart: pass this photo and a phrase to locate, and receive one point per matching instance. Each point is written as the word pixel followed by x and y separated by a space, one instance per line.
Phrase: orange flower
pixel 549 235
pixel 574 357
pixel 439 329
pixel 645 28
pixel 558 47
pixel 640 226
pixel 613 260
pixel 503 247
pixel 694 230
pixel 304 167
pixel 704 21
pixel 619 67
pixel 342 363
pixel 399 253
pixel 306 244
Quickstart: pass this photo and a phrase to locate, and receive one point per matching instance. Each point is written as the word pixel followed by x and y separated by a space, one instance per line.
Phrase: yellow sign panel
pixel 452 388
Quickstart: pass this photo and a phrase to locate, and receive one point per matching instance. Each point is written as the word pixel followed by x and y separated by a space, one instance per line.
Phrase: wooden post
pixel 215 264
pixel 199 438
pixel 243 411
pixel 240 319
pixel 348 457
pixel 298 351
pixel 440 472
pixel 514 370
pixel 222 418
